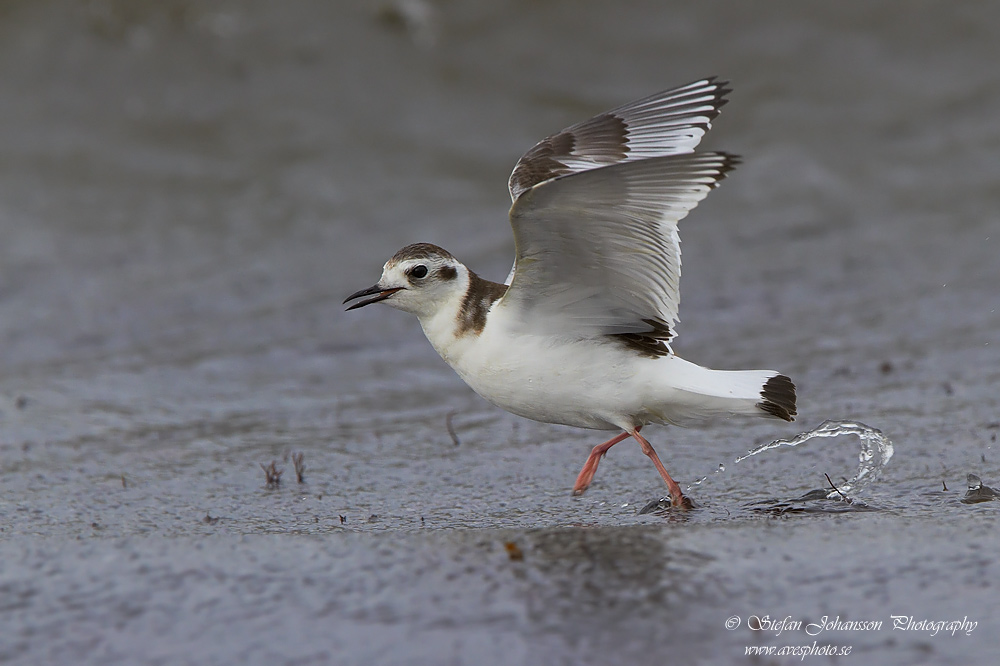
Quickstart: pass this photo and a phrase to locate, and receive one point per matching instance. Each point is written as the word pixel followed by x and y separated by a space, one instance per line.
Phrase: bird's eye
pixel 419 271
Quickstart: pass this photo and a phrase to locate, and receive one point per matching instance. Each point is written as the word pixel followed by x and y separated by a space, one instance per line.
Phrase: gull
pixel 579 334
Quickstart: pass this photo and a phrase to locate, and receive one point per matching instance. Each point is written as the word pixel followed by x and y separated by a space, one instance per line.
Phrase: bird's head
pixel 420 279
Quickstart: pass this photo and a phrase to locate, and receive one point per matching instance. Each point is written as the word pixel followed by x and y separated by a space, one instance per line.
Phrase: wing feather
pixel 667 123
pixel 598 251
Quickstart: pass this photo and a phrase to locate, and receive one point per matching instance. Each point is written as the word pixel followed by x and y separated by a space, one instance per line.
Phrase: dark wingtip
pixel 778 398
pixel 732 161
pixel 721 91
pixel 729 162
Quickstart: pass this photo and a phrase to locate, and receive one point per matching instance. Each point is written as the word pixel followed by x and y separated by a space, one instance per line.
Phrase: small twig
pixel 298 459
pixel 272 473
pixel 846 498
pixel 944 486
pixel 451 428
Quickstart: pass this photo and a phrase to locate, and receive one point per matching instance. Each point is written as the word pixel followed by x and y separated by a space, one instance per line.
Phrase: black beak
pixel 380 295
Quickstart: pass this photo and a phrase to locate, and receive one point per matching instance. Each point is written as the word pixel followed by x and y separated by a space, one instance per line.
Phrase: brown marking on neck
pixel 480 296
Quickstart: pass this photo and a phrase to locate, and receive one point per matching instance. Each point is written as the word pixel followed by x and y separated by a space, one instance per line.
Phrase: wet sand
pixel 188 191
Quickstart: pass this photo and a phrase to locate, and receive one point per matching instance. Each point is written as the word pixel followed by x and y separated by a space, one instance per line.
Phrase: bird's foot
pixel 668 504
pixel 682 502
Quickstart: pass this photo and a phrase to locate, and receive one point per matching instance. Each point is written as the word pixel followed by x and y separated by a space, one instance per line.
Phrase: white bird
pixel 580 333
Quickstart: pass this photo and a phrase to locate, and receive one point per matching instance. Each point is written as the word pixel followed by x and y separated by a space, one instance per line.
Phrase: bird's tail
pixel 697 393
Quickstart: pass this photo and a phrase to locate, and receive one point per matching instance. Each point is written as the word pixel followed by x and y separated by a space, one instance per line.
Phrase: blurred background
pixel 189 189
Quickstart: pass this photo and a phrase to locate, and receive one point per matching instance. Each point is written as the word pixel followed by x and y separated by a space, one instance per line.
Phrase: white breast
pixel 583 383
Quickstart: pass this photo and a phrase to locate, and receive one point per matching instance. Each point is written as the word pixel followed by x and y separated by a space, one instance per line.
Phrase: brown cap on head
pixel 420 251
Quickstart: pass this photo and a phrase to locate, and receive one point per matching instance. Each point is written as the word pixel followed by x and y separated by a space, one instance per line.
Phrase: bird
pixel 580 332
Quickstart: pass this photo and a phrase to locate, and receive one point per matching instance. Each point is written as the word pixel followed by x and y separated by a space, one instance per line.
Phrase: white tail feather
pixel 685 392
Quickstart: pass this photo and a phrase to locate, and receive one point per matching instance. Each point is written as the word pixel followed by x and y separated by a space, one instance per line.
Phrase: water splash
pixel 719 470
pixel 876 450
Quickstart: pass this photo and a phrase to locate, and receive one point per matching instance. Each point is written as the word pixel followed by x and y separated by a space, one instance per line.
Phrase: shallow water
pixel 188 190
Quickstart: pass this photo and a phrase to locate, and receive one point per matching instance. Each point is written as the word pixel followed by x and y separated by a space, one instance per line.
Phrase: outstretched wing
pixel 667 123
pixel 598 251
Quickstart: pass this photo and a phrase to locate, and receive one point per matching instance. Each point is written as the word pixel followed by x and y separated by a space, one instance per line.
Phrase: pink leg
pixel 677 498
pixel 590 467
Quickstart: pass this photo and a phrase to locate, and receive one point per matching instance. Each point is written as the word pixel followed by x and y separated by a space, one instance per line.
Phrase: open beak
pixel 377 294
